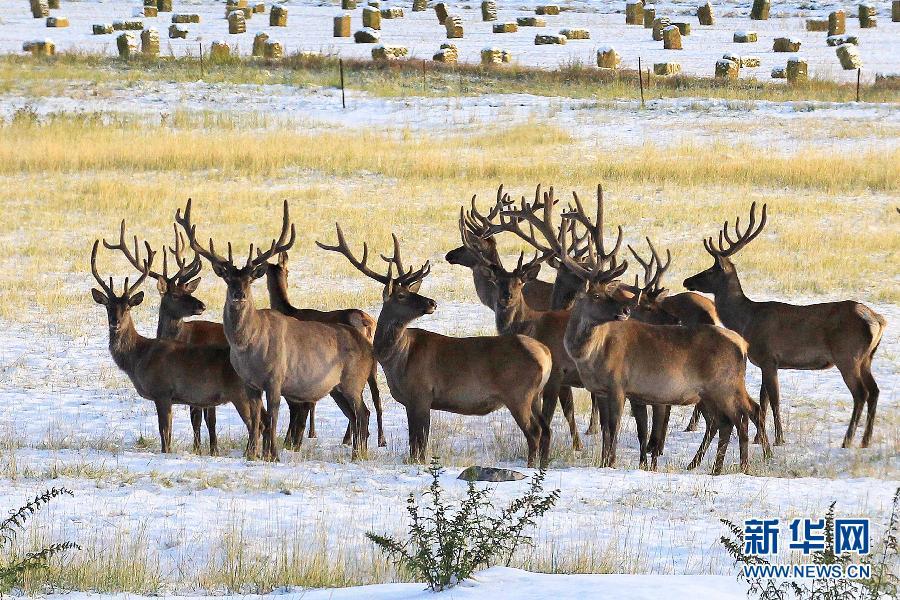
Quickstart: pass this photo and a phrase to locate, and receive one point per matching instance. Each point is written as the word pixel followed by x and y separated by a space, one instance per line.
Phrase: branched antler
pixel 728 246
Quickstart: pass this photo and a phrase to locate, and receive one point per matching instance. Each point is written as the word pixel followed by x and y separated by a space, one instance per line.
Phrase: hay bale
pixel 745 37
pixel 151 11
pixel 837 23
pixel 817 24
pixel 575 34
pixel 447 54
pixel 837 40
pixel 342 25
pixel 185 18
pixel 649 16
pixel 783 44
pixel 126 43
pixel 778 73
pixel 392 12
pixel 634 12
pixel 760 10
pixel 374 4
pixel 671 38
pixel 659 23
pixel 796 70
pixel 530 22
pixel 150 3
pixel 350 4
pixel 454 25
pixel 742 61
pixel 274 50
pixel 259 8
pixel 705 13
pixel 259 44
pixel 386 52
pixel 548 38
pixel 132 25
pixel 505 27
pixel 666 68
pixel 849 56
pixel 278 16
pixel 371 17
pixel 867 16
pixel 53 4
pixel 44 47
pixel 40 9
pixel 420 5
pixel 727 69
pixel 495 56
pixel 164 5
pixel 684 28
pixel 488 10
pixel 57 22
pixel 150 43
pixel 895 12
pixel 219 51
pixel 101 28
pixel 177 32
pixel 547 9
pixel 366 36
pixel 440 10
pixel 236 22
pixel 608 58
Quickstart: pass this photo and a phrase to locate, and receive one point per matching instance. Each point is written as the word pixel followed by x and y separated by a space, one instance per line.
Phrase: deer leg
pixel 348 434
pixel 376 401
pixel 659 429
pixel 546 430
pixel 567 402
pixel 594 426
pixel 763 409
pixel 871 401
pixel 725 428
pixel 760 427
pixel 291 437
pixel 549 398
pixel 358 415
pixel 273 402
pixel 249 414
pixel 530 427
pixel 196 421
pixel 854 381
pixel 709 419
pixel 639 412
pixel 770 380
pixel 419 422
pixel 743 440
pixel 694 420
pixel 312 421
pixel 209 414
pixel 615 405
pixel 164 417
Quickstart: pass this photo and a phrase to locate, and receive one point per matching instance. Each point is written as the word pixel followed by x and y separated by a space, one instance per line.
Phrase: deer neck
pixel 582 336
pixel 278 296
pixel 169 327
pixel 242 322
pixel 732 304
pixel 515 318
pixel 484 288
pixel 392 342
pixel 125 344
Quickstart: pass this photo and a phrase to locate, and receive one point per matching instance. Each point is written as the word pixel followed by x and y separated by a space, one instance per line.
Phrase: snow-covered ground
pixel 310 28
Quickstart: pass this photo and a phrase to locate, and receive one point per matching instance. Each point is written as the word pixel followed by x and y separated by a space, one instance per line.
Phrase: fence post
pixel 641 80
pixel 201 59
pixel 858 74
pixel 343 96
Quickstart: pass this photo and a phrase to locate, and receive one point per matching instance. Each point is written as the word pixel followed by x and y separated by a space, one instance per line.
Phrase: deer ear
pixel 532 273
pixel 388 290
pixel 259 271
pixel 415 286
pixel 619 293
pixel 661 294
pixel 191 286
pixel 99 297
pixel 218 270
pixel 485 272
pixel 162 286
pixel 136 299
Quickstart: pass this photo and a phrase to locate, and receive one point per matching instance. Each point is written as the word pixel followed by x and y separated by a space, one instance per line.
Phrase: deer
pixel 820 336
pixel 428 371
pixel 283 356
pixel 276 282
pixel 177 302
pixel 168 371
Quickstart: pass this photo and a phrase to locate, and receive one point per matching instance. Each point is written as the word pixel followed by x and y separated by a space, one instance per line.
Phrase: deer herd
pixel 587 329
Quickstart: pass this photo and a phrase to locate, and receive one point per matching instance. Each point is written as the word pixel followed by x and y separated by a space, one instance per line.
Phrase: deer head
pixel 118 307
pixel 650 309
pixel 478 235
pixel 238 279
pixel 718 277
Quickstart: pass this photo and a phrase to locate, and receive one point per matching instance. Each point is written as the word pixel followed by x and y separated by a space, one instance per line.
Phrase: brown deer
pixel 276 282
pixel 470 376
pixel 177 302
pixel 168 371
pixel 788 336
pixel 282 356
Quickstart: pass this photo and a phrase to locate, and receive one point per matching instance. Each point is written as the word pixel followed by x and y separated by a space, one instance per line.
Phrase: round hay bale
pixel 867 16
pixel 151 11
pixel 164 5
pixel 659 23
pixel 420 5
pixel 634 12
pixel 727 69
pixel 548 39
pixel 371 17
pixel 366 36
pixel 530 22
pixel 259 44
pixel 745 37
pixel 797 70
pixel 44 47
pixel 760 10
pixel 259 8
pixel 447 54
pixel 53 4
pixel 274 50
pixel 57 22
pixel 126 44
pixel 817 24
pixel 608 58
pixel 575 34
pixel 671 38
pixel 705 13
pixel 783 44
pixel 454 26
pixel 848 55
pixel 348 4
pixel 219 51
pixel 236 22
pixel 40 9
pixel 488 10
pixel 505 27
pixel 342 25
pixel 837 23
pixel 278 17
pixel 666 68
pixel 177 32
pixel 684 28
pixel 150 43
pixel 495 56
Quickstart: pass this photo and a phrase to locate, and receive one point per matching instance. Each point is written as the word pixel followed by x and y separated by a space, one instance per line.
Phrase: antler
pixel 107 289
pixel 127 290
pixel 484 226
pixel 133 258
pixel 653 269
pixel 191 231
pixel 594 230
pixel 743 238
pixel 282 244
pixel 186 271
pixel 342 248
pixel 479 256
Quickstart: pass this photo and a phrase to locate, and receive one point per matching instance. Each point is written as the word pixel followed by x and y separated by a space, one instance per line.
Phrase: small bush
pixel 11 573
pixel 446 544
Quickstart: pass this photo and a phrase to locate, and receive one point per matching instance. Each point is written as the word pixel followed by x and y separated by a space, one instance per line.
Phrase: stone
pixel 575 34
pixel 126 44
pixel 684 28
pixel 783 44
pixel 274 50
pixel 671 38
pixel 666 68
pixel 837 40
pixel 219 50
pixel 547 39
pixel 867 16
pixel 745 37
pixel 40 47
pixel 488 10
pixel 848 55
pixel 342 26
pixel 817 24
pixel 102 28
pixel 366 36
pixel 371 17
pixel 185 18
pixel 150 43
pixel 727 69
pixel 392 12
pixel 440 10
pixel 547 9
pixel 177 32
pixel 492 474
pixel 278 16
pixel 236 22
pixel 837 23
pixel 530 22
pixel 386 52
pixel 649 16
pixel 634 12
pixel 760 10
pixel 57 22
pixel 796 70
pixel 454 26
pixel 259 44
pixel 705 13
pixel 608 58
pixel 659 23
pixel 505 27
